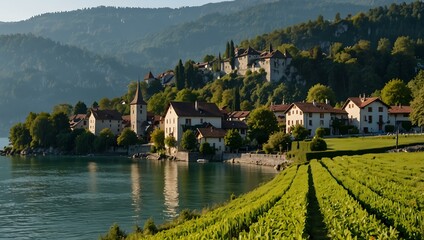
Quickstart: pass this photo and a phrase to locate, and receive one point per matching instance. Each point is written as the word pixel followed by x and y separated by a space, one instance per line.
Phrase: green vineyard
pixel 378 196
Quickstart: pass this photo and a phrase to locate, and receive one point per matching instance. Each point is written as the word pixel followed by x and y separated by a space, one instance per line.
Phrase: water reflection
pixel 170 190
pixel 92 171
pixel 136 191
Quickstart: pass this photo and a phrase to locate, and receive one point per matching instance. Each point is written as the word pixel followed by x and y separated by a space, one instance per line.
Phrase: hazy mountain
pixel 37 73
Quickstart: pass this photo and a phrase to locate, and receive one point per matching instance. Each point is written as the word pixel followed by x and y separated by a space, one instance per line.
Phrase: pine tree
pixel 180 75
pixel 232 55
pixel 227 51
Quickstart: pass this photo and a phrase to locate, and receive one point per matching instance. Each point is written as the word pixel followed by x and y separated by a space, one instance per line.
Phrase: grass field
pixel 373 196
pixel 360 143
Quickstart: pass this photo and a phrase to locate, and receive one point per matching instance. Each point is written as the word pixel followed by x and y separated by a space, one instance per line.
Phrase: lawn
pixel 362 143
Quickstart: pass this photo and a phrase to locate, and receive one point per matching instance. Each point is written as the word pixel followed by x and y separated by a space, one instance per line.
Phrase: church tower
pixel 138 112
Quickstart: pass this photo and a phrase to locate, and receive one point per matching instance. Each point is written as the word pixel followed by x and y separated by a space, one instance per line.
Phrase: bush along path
pixel 352 197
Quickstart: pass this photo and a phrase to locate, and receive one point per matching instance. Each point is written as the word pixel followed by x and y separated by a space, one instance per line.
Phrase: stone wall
pixel 258 159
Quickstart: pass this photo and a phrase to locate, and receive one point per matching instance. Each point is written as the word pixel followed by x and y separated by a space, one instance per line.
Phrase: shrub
pixel 150 227
pixel 267 148
pixel 320 132
pixel 114 233
pixel 318 144
pixel 206 149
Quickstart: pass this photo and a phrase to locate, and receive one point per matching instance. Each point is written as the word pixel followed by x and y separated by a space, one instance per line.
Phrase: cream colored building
pixel 369 115
pixel 101 119
pixel 312 116
pixel 398 115
pixel 181 116
pixel 213 136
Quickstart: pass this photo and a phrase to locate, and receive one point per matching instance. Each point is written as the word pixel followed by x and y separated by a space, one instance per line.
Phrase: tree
pixel 404 46
pixel 188 141
pixel 64 107
pixel 233 140
pixel 105 104
pixel 206 149
pixel 262 123
pixel 84 142
pixel 384 45
pixel 232 55
pixel 179 75
pixel 19 136
pixel 157 103
pixel 80 108
pixel 321 93
pixel 417 108
pixel 127 138
pixel 105 140
pixel 60 123
pixel 158 139
pixel 236 101
pixel 186 95
pixel 170 141
pixel 190 74
pixel 299 132
pixel 318 144
pixel 42 131
pixel 279 141
pixel 320 132
pixel 396 92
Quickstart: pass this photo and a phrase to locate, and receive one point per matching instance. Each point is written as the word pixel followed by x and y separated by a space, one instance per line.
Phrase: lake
pixel 3 142
pixel 81 197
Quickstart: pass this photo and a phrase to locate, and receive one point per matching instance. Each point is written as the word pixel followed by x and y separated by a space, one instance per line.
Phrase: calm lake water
pixel 80 198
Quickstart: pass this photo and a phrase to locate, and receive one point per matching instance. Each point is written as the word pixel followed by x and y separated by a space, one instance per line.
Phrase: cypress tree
pixel 179 75
pixel 236 101
pixel 232 55
pixel 227 51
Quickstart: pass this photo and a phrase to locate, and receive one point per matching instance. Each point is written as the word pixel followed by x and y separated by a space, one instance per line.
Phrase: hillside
pixel 37 73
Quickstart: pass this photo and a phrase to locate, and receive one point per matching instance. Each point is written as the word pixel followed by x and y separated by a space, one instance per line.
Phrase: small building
pixel 78 121
pixel 368 114
pixel 279 112
pixel 213 136
pixel 181 116
pixel 149 78
pixel 238 115
pixel 240 126
pixel 101 119
pixel 399 116
pixel 312 116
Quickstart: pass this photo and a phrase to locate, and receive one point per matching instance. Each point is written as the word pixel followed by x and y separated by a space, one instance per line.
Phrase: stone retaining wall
pixel 258 159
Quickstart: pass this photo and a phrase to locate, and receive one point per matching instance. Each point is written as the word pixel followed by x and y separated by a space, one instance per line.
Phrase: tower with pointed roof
pixel 138 112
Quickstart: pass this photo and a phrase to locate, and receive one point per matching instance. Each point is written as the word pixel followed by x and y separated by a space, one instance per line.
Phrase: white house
pixel 213 136
pixel 398 115
pixel 181 116
pixel 368 114
pixel 238 115
pixel 240 126
pixel 312 116
pixel 79 121
pixel 101 119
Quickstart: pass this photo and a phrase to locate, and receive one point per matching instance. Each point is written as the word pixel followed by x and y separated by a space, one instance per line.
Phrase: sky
pixel 16 10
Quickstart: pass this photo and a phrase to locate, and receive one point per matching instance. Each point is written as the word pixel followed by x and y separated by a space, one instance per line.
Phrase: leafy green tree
pixel 206 149
pixel 262 123
pixel 318 144
pixel 150 227
pixel 233 139
pixel 396 92
pixel 29 119
pixel 320 93
pixel 42 131
pixel 157 103
pixel 236 101
pixel 232 55
pixel 320 132
pixel 105 140
pixel 19 136
pixel 416 83
pixel 186 95
pixel 384 45
pixel 404 46
pixel 189 141
pixel 105 104
pixel 84 142
pixel 299 132
pixel 115 233
pixel 158 139
pixel 417 108
pixel 95 104
pixel 64 107
pixel 279 141
pixel 190 74
pixel 170 141
pixel 60 123
pixel 127 138
pixel 80 108
pixel 246 106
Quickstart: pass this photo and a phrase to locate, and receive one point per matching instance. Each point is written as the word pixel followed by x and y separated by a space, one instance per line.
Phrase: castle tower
pixel 138 112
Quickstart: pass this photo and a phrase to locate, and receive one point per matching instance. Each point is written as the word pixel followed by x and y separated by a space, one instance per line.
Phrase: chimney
pixel 314 103
pixel 196 105
pixel 327 101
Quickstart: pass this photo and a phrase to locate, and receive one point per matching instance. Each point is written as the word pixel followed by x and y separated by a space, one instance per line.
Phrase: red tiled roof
pixel 234 125
pixel 212 132
pixel 106 114
pixel 188 109
pixel 279 107
pixel 239 114
pixel 316 108
pixel 400 110
pixel 273 54
pixel 149 76
pixel 363 102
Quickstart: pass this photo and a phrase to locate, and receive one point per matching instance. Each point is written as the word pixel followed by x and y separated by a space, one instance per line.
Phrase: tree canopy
pixel 262 123
pixel 396 92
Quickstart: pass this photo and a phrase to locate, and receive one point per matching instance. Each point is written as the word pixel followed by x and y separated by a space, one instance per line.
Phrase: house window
pixel 405 115
pixel 370 119
pixel 310 122
pixel 110 121
pixel 297 122
pixel 301 113
pixel 242 131
pixel 321 122
pixel 365 118
pixel 288 113
pixel 380 109
pixel 310 114
pixel 201 120
pixel 369 109
pixel 321 115
pixel 219 139
pixel 188 121
pixel 141 111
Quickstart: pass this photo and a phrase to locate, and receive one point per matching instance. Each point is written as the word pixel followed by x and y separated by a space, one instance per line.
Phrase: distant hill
pixel 37 73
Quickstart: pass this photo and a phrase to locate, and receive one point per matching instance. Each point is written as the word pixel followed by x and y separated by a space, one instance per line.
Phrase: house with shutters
pixel 312 115
pixel 274 62
pixel 368 114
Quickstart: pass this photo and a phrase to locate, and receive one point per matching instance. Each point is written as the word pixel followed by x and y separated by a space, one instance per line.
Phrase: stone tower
pixel 138 112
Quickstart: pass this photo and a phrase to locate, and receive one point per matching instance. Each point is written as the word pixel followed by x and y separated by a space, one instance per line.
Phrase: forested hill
pixel 381 22
pixel 159 37
pixel 37 73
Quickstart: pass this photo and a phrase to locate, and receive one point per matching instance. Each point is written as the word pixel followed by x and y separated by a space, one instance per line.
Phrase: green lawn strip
pixel 287 218
pixel 266 191
pixel 406 220
pixel 362 143
pixel 344 217
pixel 232 223
pixel 383 183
